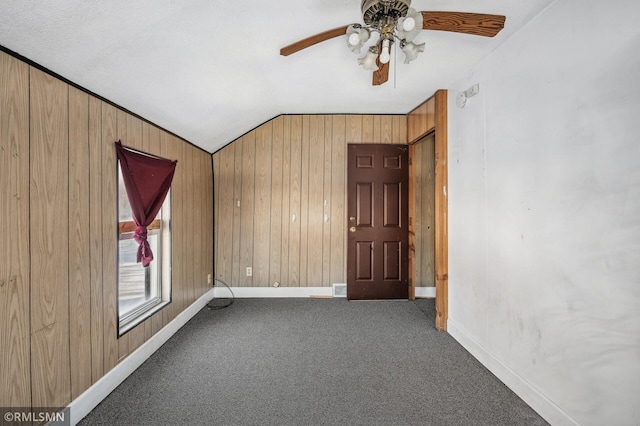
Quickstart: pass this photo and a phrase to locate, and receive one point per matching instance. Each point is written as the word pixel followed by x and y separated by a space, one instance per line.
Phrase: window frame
pixel 162 255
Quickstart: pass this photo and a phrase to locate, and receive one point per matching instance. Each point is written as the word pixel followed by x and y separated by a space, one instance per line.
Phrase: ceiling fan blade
pixel 382 74
pixel 463 22
pixel 315 39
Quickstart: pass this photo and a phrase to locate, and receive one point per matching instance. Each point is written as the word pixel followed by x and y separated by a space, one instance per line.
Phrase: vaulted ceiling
pixel 210 71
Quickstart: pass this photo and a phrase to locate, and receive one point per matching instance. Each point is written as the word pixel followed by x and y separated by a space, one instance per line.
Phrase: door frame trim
pixel 436 125
pixel 441 209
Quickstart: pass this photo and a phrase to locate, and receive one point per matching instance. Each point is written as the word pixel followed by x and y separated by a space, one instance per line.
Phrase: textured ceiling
pixel 209 71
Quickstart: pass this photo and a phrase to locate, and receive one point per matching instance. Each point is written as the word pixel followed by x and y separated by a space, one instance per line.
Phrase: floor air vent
pixel 339 290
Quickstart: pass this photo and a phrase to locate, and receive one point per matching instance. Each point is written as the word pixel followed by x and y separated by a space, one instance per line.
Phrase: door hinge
pixel 410 162
pixel 409 221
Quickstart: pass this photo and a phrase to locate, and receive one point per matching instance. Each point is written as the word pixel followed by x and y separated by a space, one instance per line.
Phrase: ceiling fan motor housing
pixel 376 13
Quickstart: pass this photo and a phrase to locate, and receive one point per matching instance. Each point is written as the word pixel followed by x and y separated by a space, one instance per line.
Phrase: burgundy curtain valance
pixel 147 180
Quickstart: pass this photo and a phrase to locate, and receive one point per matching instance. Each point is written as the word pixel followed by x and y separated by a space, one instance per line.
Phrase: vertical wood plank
pixel 79 243
pixel 367 129
pixel 236 269
pixel 402 129
pixel 316 203
pixel 49 198
pixel 189 216
pixel 196 215
pixel 386 130
pixel 377 131
pixel 354 129
pixel 275 239
pixel 286 196
pixel 338 189
pixel 180 285
pixel 262 222
pixel 327 220
pixel 136 337
pixel 125 134
pixel 178 289
pixel 151 135
pixel 247 206
pixel 210 237
pixel 226 213
pixel 166 152
pixel 95 235
pixel 122 129
pixel 295 195
pixel 207 236
pixel 109 236
pixel 200 277
pixel 304 202
pixel 442 260
pixel 145 129
pixel 171 150
pixel 215 158
pixel 15 364
pixel 398 121
pixel 134 132
pixel 152 139
pixel 199 206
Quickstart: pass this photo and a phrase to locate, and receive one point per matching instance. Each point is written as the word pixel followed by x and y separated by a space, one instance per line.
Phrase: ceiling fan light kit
pixel 357 37
pixel 396 20
pixel 411 50
pixel 368 61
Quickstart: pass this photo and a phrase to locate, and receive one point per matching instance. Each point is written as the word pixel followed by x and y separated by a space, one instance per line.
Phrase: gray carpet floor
pixel 313 362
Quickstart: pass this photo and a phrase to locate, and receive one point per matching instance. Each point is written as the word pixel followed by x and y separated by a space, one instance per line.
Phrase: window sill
pixel 130 323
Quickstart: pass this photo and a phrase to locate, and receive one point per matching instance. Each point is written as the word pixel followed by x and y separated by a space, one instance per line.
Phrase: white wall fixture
pixel 461 99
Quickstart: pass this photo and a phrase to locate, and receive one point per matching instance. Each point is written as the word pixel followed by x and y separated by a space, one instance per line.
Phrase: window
pixel 142 291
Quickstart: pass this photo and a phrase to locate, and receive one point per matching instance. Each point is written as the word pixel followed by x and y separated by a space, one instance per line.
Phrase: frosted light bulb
pixel 384 55
pixel 354 39
pixel 408 24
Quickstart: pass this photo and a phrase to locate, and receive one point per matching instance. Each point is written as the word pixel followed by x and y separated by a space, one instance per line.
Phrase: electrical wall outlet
pixel 209 279
pixel 249 271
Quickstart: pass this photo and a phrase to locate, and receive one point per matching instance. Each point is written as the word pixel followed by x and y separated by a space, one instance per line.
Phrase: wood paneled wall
pixel 280 198
pixel 58 234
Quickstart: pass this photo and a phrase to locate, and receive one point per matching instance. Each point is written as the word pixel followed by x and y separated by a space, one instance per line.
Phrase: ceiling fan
pixel 395 20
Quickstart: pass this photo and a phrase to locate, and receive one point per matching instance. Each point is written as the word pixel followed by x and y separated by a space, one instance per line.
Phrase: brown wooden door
pixel 378 235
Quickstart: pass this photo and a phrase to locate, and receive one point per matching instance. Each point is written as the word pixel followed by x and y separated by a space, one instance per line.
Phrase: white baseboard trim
pixel 247 292
pixel 428 292
pixel 89 399
pixel 551 412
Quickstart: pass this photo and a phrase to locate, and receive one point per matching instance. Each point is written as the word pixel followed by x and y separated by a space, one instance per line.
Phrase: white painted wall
pixel 544 204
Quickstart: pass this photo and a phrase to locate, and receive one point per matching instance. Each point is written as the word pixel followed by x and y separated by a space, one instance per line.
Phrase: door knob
pixel 352 229
pixel 352 218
